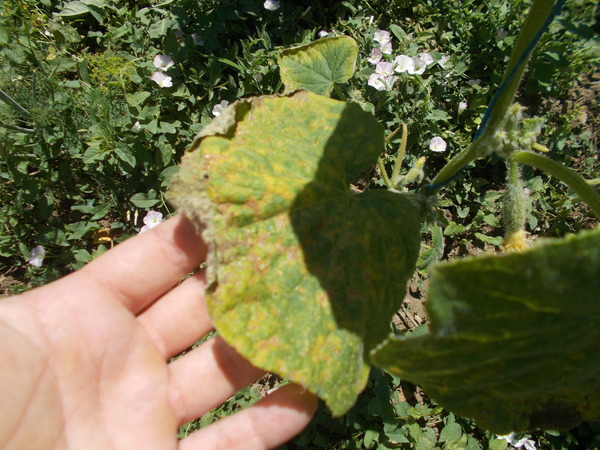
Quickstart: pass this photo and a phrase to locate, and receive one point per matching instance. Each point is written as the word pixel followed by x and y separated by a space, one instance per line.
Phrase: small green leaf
pixel 318 65
pixel 304 274
pixel 144 200
pixel 514 338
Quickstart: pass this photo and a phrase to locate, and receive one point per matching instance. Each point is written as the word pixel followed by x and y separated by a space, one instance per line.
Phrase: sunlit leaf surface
pixel 318 65
pixel 304 273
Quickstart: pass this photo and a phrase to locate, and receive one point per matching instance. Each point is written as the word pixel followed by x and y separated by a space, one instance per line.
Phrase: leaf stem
pixel 384 174
pixel 401 151
pixel 572 179
pixel 13 104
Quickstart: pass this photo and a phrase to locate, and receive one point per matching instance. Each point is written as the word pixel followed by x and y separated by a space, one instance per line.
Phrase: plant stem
pixel 13 104
pixel 18 129
pixel 536 21
pixel 400 157
pixel 453 166
pixel 572 179
pixel 384 175
pixel 513 207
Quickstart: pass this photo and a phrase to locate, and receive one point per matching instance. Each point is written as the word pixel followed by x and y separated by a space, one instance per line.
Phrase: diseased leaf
pixel 514 338
pixel 318 65
pixel 304 274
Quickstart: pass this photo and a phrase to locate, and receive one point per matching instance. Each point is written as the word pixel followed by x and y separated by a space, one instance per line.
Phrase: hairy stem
pixel 572 179
pixel 400 157
pixel 384 174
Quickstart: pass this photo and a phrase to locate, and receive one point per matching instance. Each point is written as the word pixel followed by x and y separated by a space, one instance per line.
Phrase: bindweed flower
pixel 381 82
pixel 384 68
pixel 425 57
pixel 527 444
pixel 403 64
pixel 382 36
pixel 162 80
pixel 36 256
pixel 163 62
pixel 462 106
pixel 151 220
pixel 385 41
pixel 271 5
pixel 420 62
pixel 376 81
pixel 437 144
pixel 386 47
pixel 218 108
pixel 323 33
pixel 136 128
pixel 375 56
pixel 443 60
pixel 198 41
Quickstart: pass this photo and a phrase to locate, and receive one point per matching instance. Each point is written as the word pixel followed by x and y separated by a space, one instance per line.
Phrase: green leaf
pixel 514 338
pixel 304 274
pixel 159 29
pixel 318 65
pixel 144 200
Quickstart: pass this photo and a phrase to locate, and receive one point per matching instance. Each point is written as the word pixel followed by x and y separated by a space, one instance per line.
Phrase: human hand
pixel 85 359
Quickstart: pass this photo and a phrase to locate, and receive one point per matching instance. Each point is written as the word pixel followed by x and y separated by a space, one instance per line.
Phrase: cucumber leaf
pixel 304 273
pixel 514 338
pixel 319 65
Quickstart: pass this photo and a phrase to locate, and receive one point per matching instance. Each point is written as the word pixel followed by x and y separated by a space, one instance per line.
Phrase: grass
pixel 89 143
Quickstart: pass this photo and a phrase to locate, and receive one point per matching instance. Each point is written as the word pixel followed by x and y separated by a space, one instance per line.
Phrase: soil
pixel 6 283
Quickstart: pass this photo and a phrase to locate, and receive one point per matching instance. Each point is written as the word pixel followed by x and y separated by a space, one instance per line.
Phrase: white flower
pixel 36 256
pixel 462 106
pixel 443 60
pixel 198 42
pixel 384 68
pixel 218 108
pixel 162 80
pixel 474 83
pixel 375 56
pixel 151 220
pixel 376 81
pixel 382 36
pixel 426 58
pixel 437 144
pixel 526 192
pixel 381 82
pixel 163 62
pixel 404 63
pixel 527 444
pixel 419 66
pixel 389 82
pixel 271 5
pixel 323 33
pixel 386 47
pixel 136 128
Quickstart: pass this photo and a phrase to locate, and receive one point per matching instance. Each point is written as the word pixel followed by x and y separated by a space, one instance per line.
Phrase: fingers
pixel 179 318
pixel 204 378
pixel 267 424
pixel 143 268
